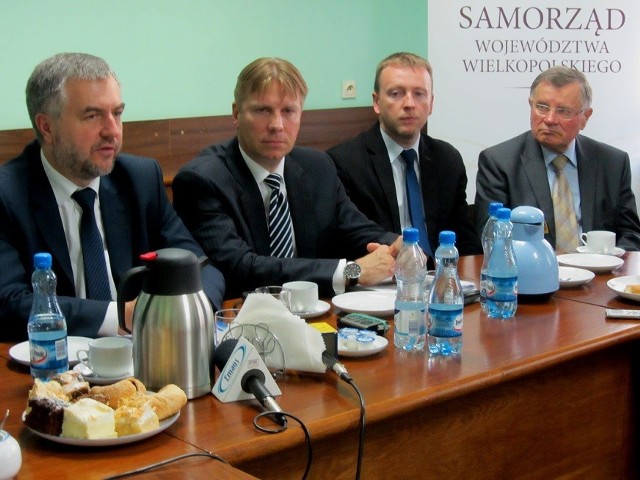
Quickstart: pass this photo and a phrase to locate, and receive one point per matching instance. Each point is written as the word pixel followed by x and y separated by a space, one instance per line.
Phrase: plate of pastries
pixel 627 287
pixel 68 410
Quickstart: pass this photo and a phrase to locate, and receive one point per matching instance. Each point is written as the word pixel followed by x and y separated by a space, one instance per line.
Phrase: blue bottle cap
pixel 410 235
pixel 503 213
pixel 447 237
pixel 42 260
pixel 493 206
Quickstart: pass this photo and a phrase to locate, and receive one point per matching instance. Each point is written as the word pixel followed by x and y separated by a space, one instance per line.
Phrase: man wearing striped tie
pixel 579 183
pixel 267 212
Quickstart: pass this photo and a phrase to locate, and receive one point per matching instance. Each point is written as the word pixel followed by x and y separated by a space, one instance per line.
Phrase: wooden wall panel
pixel 175 141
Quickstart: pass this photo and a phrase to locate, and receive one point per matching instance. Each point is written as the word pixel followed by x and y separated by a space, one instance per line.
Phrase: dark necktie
pixel 415 200
pixel 95 267
pixel 564 212
pixel 280 228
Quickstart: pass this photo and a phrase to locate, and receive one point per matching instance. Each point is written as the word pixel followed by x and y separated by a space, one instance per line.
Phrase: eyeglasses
pixel 564 113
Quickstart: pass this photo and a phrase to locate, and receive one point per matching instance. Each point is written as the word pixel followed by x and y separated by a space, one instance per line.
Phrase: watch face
pixel 352 270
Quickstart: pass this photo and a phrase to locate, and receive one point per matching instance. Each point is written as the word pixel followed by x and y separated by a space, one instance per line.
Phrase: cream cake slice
pixel 88 419
pixel 135 415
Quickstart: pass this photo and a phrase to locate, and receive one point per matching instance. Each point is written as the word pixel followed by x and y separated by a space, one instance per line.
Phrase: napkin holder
pixel 244 357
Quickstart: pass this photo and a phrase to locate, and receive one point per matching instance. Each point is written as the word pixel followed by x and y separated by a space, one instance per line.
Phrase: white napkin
pixel 302 344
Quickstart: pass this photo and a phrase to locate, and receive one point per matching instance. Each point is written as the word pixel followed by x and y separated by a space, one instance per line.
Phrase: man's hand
pixel 377 265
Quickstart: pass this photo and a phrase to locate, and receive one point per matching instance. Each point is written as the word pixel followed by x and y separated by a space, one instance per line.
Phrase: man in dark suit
pixel 521 171
pixel 373 171
pixel 75 107
pixel 227 198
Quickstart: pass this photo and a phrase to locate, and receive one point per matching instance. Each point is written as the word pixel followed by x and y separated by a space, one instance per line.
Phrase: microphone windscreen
pixel 223 352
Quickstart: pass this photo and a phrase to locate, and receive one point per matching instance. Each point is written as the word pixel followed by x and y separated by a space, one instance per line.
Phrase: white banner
pixel 485 55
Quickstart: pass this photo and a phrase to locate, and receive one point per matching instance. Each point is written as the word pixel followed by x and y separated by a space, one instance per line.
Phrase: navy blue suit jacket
pixel 365 170
pixel 137 218
pixel 220 202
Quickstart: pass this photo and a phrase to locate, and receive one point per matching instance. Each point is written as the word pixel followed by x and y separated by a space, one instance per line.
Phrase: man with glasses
pixel 580 184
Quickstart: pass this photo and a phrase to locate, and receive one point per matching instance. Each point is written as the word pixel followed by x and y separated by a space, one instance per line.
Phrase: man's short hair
pixel 559 76
pixel 402 59
pixel 261 73
pixel 45 88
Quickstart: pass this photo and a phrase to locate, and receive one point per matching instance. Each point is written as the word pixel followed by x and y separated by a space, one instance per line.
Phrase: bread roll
pixel 112 394
pixel 168 401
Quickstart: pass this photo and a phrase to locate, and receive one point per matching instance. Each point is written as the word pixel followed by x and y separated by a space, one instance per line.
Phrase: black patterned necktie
pixel 280 228
pixel 95 266
pixel 415 200
pixel 564 212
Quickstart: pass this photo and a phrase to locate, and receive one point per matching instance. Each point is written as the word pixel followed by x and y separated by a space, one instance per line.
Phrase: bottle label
pixel 410 322
pixel 445 322
pixel 501 289
pixel 49 354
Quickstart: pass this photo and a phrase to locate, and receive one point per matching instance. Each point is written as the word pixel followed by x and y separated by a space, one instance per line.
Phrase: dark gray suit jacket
pixel 514 173
pixel 365 170
pixel 219 201
pixel 137 218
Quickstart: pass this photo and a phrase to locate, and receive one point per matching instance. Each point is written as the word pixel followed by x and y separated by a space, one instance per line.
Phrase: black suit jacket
pixel 514 173
pixel 365 170
pixel 219 201
pixel 137 218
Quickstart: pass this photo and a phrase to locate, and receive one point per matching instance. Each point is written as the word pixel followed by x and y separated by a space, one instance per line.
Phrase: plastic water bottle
pixel 487 238
pixel 502 271
pixel 410 323
pixel 444 332
pixel 47 326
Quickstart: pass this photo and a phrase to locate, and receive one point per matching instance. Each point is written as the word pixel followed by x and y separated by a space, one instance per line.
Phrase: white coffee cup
pixel 108 357
pixel 599 241
pixel 303 297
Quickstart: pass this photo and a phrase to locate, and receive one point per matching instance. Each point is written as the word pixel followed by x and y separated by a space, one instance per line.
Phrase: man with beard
pixel 595 177
pixel 75 108
pixel 427 189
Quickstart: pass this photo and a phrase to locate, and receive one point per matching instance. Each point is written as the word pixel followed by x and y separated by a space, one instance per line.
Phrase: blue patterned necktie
pixel 95 266
pixel 280 228
pixel 415 200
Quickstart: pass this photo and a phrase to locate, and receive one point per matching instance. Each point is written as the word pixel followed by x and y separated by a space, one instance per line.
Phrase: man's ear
pixel 43 123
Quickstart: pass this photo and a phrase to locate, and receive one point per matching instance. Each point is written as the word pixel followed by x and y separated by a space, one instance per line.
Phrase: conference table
pixel 550 393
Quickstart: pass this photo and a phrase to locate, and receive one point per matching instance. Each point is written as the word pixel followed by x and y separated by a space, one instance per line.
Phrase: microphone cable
pixel 282 428
pixel 163 463
pixel 363 418
pixel 332 363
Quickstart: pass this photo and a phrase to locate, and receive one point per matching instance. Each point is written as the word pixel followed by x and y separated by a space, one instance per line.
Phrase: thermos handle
pixel 129 288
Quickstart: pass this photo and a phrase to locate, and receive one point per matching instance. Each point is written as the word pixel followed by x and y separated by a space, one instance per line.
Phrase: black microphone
pixel 331 362
pixel 252 381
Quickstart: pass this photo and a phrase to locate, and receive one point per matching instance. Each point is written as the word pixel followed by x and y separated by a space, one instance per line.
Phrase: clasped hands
pixel 379 263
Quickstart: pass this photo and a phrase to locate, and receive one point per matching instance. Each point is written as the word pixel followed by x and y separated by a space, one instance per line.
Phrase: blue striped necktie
pixel 95 266
pixel 415 200
pixel 280 228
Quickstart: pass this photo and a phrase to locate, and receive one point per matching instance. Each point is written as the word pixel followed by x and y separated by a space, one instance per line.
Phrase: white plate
pixel 321 308
pixel 20 352
pixel 619 283
pixel 88 375
pixel 573 277
pixel 595 262
pixel 369 302
pixel 617 251
pixel 376 346
pixel 105 442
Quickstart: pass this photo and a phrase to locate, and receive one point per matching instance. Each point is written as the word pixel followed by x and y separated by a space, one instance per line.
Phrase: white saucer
pixel 89 376
pixel 618 285
pixel 376 346
pixel 574 277
pixel 590 261
pixel 20 352
pixel 380 303
pixel 321 308
pixel 617 251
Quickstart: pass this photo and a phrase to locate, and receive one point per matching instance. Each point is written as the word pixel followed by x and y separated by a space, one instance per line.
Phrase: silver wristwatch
pixel 351 274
